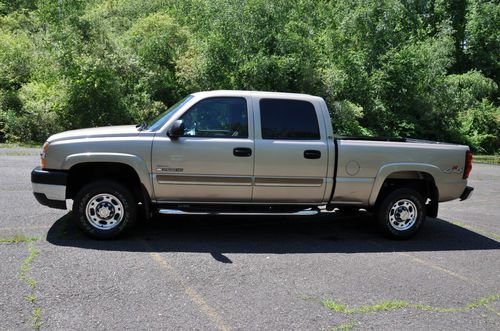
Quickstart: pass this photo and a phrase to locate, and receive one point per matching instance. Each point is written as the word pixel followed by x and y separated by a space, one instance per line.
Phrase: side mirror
pixel 176 130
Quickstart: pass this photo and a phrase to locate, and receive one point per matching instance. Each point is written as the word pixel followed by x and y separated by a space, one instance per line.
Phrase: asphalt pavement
pixel 262 273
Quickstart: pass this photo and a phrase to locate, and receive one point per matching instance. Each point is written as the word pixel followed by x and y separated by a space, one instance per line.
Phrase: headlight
pixel 43 155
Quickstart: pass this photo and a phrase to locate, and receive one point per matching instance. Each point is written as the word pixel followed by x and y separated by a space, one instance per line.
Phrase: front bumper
pixel 467 193
pixel 49 187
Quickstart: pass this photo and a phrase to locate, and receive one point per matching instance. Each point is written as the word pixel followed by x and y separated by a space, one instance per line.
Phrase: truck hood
pixel 107 131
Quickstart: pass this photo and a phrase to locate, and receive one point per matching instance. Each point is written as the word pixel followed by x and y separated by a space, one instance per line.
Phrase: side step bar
pixel 307 212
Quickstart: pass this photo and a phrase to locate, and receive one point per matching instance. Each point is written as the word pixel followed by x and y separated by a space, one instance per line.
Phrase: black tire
pixel 115 197
pixel 401 213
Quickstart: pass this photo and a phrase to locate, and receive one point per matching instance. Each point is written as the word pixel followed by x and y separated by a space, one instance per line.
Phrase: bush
pixel 39 117
pixel 481 127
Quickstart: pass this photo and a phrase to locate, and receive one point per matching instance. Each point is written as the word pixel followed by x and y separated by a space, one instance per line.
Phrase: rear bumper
pixel 467 193
pixel 49 187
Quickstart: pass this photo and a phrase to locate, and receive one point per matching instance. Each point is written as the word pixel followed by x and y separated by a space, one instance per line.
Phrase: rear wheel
pixel 401 213
pixel 104 209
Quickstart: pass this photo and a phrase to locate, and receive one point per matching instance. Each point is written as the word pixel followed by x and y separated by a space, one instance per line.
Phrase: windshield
pixel 161 119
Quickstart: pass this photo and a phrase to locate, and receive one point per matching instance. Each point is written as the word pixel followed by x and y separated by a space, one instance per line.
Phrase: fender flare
pixel 134 161
pixel 387 169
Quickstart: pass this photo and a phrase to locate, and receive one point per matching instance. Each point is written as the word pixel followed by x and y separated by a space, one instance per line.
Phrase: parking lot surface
pixel 330 271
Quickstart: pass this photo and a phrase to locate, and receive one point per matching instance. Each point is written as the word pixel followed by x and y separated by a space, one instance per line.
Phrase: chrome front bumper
pixel 49 187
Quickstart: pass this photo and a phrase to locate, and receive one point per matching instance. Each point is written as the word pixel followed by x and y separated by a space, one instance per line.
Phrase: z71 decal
pixel 456 169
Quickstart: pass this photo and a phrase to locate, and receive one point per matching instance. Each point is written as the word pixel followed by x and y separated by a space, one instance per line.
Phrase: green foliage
pixel 158 41
pixel 426 69
pixel 345 116
pixel 15 59
pixel 480 126
pixel 483 44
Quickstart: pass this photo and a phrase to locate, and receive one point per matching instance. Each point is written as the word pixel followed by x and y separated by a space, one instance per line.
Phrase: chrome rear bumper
pixel 467 193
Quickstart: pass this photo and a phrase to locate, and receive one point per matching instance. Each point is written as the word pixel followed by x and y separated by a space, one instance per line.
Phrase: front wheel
pixel 401 213
pixel 104 209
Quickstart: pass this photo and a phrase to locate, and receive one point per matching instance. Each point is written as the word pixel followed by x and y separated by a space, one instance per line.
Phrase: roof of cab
pixel 261 94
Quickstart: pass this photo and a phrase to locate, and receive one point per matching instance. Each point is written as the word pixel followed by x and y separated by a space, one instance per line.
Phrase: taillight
pixel 468 164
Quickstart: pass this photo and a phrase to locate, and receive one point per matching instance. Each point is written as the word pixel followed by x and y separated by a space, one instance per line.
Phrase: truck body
pixel 244 152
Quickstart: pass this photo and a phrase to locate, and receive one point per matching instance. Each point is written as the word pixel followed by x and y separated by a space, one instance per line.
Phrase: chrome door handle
pixel 312 154
pixel 242 152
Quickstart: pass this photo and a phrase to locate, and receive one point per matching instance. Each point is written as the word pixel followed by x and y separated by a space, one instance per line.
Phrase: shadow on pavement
pixel 274 235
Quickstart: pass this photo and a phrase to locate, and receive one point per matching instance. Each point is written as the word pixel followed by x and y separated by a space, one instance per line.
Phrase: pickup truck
pixel 245 153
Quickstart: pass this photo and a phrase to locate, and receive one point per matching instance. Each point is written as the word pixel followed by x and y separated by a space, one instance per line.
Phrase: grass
pixel 23 145
pixel 490 159
pixel 17 239
pixel 345 326
pixel 26 266
pixel 36 318
pixel 384 305
pixel 394 305
pixel 478 230
pixel 31 282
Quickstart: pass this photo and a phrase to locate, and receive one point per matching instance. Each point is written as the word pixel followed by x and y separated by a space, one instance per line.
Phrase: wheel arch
pixel 129 164
pixel 421 177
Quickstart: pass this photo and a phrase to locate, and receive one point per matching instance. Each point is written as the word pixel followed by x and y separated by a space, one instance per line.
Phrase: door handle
pixel 312 154
pixel 242 152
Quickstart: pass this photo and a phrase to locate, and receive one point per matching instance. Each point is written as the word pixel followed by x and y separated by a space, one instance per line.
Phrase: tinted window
pixel 288 119
pixel 158 122
pixel 217 117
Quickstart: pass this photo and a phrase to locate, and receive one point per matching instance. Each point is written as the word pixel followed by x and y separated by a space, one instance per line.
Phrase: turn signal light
pixel 43 155
pixel 468 164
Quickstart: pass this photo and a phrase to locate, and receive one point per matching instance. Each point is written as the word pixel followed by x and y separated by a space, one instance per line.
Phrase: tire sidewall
pixel 385 208
pixel 92 189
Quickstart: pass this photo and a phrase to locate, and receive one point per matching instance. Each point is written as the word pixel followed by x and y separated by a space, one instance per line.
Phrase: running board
pixel 307 212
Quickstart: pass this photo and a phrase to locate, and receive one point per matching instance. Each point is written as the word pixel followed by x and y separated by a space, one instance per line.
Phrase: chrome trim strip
pixel 289 181
pixel 52 192
pixel 355 180
pixel 204 180
pixel 181 212
pixel 231 202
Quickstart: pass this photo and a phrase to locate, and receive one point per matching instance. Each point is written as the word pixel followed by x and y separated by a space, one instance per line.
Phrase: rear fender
pixel 386 170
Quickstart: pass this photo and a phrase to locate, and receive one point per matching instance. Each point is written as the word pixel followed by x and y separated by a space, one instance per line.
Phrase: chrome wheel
pixel 104 211
pixel 403 214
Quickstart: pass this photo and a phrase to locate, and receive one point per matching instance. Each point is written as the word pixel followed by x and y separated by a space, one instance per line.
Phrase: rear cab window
pixel 285 119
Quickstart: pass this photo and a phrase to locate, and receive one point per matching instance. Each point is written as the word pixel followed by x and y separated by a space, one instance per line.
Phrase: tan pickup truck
pixel 250 153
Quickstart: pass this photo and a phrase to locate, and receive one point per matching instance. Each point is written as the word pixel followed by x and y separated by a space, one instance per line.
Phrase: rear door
pixel 291 152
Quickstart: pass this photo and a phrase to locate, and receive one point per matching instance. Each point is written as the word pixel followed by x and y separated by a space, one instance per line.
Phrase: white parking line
pixel 191 292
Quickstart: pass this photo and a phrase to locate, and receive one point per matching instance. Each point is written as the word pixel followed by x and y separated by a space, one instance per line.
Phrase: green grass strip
pixel 393 305
pixel 345 326
pixel 490 159
pixel 36 318
pixel 478 230
pixel 31 282
pixel 21 145
pixel 17 239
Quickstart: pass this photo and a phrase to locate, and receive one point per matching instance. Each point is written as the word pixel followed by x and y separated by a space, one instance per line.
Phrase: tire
pixel 104 209
pixel 401 213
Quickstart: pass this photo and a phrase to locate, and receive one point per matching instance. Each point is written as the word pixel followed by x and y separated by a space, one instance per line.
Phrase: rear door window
pixel 283 119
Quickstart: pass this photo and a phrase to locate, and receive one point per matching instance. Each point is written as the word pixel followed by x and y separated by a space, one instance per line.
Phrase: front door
pixel 213 160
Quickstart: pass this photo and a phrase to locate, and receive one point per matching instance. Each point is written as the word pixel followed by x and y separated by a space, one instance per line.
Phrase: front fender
pixel 134 161
pixel 387 169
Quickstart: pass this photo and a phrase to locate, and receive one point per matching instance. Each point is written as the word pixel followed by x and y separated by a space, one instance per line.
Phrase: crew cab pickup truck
pixel 245 152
